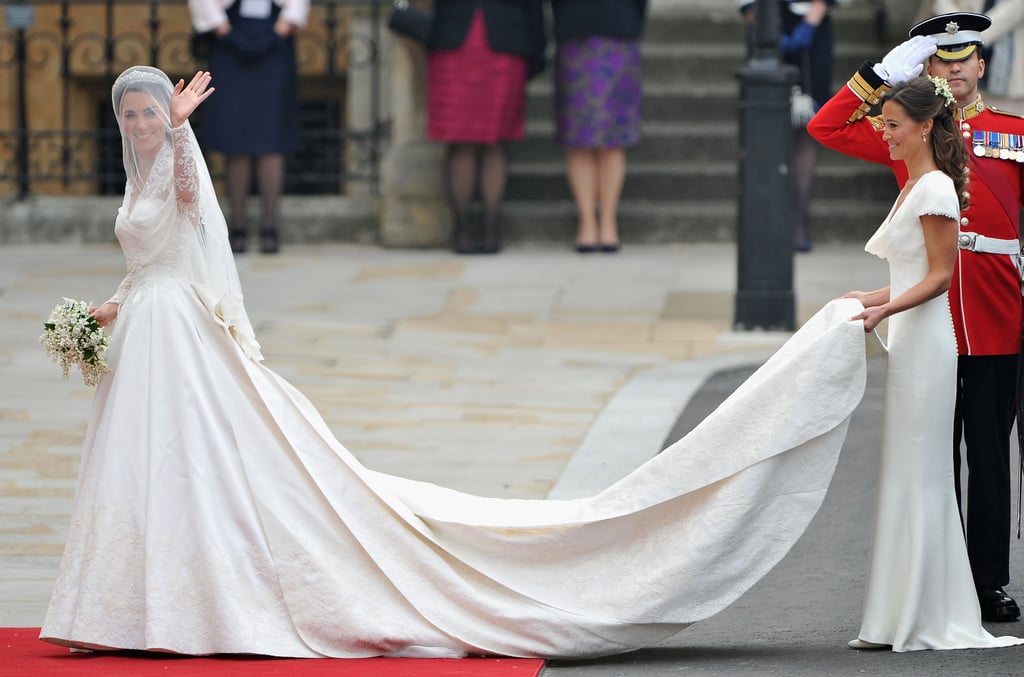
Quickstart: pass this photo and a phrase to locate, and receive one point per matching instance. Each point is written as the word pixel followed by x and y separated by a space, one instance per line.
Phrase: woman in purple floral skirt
pixel 598 96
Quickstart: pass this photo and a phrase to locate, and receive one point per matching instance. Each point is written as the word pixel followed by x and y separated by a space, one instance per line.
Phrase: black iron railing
pixel 59 58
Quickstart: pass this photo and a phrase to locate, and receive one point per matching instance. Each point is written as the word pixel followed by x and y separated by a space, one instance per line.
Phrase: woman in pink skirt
pixel 481 53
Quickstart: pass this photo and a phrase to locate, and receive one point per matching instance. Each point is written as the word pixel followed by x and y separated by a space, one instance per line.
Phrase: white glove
pixel 906 60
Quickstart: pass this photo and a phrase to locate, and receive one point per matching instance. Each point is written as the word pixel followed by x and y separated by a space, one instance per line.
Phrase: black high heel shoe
pixel 268 241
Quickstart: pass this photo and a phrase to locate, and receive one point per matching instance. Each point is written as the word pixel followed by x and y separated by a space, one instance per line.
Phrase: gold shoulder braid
pixel 1011 114
pixel 869 93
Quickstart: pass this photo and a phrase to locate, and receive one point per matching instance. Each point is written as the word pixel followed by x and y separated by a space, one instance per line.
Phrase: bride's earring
pixel 924 137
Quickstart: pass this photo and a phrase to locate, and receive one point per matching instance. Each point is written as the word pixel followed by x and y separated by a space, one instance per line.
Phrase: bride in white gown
pixel 920 592
pixel 216 513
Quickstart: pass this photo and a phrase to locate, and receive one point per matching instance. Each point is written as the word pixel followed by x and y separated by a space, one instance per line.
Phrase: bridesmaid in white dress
pixel 920 593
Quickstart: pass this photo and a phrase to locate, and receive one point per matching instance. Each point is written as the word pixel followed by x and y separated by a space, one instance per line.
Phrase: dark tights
pixel 467 161
pixel 269 180
pixel 805 163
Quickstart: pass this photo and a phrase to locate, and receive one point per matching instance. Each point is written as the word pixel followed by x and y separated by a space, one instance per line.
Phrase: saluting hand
pixel 186 98
pixel 906 60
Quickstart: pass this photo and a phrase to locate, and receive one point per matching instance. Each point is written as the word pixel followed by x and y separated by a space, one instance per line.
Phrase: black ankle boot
pixel 268 241
pixel 238 240
pixel 490 239
pixel 462 238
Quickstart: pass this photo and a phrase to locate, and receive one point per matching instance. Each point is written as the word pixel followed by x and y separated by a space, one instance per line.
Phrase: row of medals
pixel 998 145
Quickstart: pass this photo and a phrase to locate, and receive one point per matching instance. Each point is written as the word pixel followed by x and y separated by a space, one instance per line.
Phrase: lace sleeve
pixel 186 183
pixel 122 290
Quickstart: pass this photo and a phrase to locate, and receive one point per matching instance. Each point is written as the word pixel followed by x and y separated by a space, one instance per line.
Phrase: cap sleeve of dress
pixel 939 197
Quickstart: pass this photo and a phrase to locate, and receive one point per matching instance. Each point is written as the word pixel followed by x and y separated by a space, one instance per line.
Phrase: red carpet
pixel 22 654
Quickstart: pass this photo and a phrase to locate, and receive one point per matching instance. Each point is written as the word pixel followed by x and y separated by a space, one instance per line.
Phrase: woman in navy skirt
pixel 480 55
pixel 598 97
pixel 255 115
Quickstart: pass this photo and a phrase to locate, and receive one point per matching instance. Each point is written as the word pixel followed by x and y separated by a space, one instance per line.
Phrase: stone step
pixel 689 142
pixel 720 24
pixel 720 62
pixel 711 86
pixel 683 221
pixel 851 22
pixel 697 182
pixel 334 219
pixel 660 142
pixel 90 219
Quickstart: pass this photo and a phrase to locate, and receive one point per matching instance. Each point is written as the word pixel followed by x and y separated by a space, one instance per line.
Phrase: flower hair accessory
pixel 942 89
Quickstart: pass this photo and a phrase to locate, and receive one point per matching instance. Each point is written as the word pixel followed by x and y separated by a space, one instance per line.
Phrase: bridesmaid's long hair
pixel 921 102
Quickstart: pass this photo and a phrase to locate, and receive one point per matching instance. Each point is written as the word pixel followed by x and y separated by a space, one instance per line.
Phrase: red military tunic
pixel 985 294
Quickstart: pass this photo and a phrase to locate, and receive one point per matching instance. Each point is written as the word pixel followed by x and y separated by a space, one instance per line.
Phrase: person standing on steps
pixel 808 43
pixel 255 118
pixel 985 295
pixel 598 98
pixel 479 56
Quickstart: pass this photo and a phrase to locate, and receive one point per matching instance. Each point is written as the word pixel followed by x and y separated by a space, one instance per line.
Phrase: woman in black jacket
pixel 598 93
pixel 480 54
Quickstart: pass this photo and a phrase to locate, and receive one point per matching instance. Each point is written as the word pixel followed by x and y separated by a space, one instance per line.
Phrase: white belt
pixel 987 245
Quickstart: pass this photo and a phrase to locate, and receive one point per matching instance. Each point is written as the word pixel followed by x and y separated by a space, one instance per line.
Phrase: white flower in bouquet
pixel 73 338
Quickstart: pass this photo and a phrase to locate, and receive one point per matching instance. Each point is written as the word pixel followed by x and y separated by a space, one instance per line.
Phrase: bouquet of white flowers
pixel 73 337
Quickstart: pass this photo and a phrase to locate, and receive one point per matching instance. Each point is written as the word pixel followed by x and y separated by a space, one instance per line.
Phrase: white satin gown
pixel 920 592
pixel 216 513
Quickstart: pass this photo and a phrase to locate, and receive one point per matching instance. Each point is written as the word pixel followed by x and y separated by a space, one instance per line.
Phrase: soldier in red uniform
pixel 985 295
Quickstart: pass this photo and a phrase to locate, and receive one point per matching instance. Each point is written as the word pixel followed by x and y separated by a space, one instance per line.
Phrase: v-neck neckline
pixel 901 200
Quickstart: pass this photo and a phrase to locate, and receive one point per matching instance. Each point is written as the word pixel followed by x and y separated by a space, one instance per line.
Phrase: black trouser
pixel 985 392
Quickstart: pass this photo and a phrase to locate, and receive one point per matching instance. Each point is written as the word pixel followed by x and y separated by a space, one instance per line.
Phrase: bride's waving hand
pixel 186 98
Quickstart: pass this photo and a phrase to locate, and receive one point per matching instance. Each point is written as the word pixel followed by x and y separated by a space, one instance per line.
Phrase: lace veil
pixel 182 216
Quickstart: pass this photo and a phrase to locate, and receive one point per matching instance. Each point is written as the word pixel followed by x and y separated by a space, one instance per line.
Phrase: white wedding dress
pixel 920 592
pixel 216 513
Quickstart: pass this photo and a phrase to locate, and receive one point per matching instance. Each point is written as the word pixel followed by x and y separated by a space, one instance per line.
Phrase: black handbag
pixel 410 22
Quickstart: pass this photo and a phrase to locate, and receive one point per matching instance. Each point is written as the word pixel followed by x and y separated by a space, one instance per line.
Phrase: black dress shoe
pixel 462 238
pixel 238 240
pixel 997 606
pixel 490 238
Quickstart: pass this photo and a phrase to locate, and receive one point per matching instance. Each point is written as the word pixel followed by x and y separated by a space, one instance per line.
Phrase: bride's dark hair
pixel 921 101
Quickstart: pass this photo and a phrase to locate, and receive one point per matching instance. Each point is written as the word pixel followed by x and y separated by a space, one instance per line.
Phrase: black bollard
pixel 764 235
